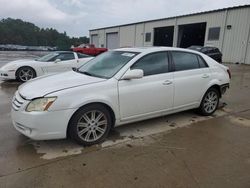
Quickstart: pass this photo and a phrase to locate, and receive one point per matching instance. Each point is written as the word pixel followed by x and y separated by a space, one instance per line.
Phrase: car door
pixel 191 77
pixel 150 95
pixel 63 62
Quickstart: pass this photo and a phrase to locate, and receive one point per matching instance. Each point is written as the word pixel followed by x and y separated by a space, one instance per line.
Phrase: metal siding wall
pixel 235 39
pixel 215 20
pixel 139 33
pixel 233 43
pixel 127 36
pixel 101 37
pixel 247 54
pixel 95 40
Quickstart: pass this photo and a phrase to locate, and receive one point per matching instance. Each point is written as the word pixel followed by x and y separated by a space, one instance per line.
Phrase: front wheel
pixel 90 125
pixel 210 102
pixel 24 74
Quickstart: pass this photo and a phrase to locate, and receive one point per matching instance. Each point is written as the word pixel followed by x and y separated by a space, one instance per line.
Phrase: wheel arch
pixel 201 109
pixel 214 85
pixel 217 87
pixel 24 67
pixel 108 107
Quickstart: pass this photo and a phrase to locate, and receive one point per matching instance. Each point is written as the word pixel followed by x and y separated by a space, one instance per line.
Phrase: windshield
pixel 107 64
pixel 48 57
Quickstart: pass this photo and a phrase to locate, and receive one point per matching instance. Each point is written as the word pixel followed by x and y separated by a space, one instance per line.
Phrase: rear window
pixel 185 61
pixel 202 62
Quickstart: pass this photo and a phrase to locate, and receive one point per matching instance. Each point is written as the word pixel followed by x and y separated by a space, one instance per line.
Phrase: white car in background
pixel 24 70
pixel 118 87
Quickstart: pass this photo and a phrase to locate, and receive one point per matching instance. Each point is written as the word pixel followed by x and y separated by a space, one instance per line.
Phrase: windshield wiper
pixel 86 73
pixel 90 74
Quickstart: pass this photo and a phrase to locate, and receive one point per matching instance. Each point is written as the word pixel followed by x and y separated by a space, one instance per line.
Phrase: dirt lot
pixel 180 150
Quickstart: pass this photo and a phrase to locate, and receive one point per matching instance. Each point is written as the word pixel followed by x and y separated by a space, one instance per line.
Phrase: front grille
pixel 17 102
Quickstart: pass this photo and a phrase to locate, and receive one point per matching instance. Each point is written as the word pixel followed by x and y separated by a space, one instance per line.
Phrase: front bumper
pixel 7 75
pixel 42 125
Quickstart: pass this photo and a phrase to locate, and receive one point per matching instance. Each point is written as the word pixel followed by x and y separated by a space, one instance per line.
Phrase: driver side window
pixel 65 56
pixel 155 63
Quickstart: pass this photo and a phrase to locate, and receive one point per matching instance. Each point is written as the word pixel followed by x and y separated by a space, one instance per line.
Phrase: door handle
pixel 205 76
pixel 167 82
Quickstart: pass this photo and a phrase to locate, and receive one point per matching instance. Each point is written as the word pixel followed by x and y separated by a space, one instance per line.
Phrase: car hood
pixel 44 85
pixel 18 63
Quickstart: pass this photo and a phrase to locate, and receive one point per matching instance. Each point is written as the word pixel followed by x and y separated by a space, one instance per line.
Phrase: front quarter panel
pixel 74 98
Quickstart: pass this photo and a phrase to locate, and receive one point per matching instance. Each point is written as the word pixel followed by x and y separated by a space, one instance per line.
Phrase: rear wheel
pixel 25 73
pixel 90 125
pixel 210 102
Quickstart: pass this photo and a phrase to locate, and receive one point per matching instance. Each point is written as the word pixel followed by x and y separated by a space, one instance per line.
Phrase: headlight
pixel 41 104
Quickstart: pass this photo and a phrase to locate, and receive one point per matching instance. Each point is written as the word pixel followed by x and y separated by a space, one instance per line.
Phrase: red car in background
pixel 89 49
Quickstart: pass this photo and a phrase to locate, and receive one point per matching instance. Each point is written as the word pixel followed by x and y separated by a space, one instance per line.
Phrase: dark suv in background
pixel 212 52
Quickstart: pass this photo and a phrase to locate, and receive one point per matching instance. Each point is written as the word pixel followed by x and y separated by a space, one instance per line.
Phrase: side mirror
pixel 57 60
pixel 133 74
pixel 74 69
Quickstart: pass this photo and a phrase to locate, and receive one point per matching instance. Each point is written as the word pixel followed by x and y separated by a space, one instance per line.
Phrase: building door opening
pixel 163 36
pixel 191 34
pixel 112 40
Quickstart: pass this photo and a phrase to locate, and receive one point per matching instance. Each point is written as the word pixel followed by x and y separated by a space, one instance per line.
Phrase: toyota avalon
pixel 118 87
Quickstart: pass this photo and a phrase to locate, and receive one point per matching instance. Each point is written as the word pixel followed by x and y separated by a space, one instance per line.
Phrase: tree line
pixel 17 31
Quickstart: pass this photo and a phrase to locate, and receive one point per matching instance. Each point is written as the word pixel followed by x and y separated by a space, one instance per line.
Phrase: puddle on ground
pixel 56 148
pixel 122 135
pixel 240 121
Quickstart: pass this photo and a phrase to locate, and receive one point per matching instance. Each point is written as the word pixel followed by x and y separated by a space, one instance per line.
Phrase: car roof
pixel 154 49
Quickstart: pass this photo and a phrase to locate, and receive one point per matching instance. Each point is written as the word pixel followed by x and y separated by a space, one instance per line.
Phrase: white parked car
pixel 24 70
pixel 118 87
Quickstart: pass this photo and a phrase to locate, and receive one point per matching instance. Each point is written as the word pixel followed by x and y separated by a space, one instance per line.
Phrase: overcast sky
pixel 76 17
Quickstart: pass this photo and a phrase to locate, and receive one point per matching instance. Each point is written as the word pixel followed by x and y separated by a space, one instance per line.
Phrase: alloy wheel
pixel 210 102
pixel 26 74
pixel 92 125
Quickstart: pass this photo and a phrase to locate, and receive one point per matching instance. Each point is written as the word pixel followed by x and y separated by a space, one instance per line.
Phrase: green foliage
pixel 16 31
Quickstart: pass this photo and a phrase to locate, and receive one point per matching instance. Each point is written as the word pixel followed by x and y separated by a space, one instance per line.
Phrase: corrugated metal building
pixel 228 29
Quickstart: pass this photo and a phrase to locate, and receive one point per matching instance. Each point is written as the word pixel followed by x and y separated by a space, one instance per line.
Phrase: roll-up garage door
pixel 94 40
pixel 112 40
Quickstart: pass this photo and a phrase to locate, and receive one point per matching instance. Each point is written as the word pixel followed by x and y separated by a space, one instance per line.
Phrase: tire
pixel 24 74
pixel 90 125
pixel 210 102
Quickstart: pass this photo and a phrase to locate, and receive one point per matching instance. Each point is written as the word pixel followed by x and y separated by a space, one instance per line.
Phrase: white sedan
pixel 24 70
pixel 118 87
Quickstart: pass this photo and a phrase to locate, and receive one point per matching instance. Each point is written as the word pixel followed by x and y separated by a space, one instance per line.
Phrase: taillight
pixel 229 73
